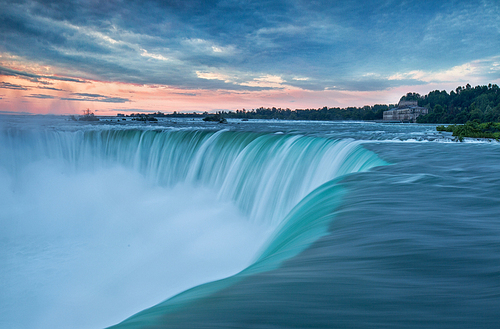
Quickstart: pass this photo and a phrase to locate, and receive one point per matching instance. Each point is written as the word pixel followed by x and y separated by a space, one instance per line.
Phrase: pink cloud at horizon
pixel 145 98
pixel 66 95
pixel 29 97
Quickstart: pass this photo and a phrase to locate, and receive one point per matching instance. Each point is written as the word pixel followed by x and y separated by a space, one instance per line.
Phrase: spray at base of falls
pixel 285 182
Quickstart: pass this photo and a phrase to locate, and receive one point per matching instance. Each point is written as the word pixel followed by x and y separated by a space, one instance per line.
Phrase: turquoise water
pixel 252 224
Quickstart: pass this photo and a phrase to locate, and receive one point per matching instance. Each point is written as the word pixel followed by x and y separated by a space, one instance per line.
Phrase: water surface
pixel 308 224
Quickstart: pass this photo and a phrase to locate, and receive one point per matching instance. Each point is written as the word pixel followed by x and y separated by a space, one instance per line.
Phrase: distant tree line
pixel 479 104
pixel 351 113
pixel 374 112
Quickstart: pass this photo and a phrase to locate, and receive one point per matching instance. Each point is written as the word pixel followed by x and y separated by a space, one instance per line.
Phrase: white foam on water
pixel 98 225
pixel 87 248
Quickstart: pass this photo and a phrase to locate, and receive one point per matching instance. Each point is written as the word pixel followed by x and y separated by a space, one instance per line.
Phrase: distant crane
pixel 88 116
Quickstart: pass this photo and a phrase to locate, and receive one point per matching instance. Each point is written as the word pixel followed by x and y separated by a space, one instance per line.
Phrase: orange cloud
pixel 33 88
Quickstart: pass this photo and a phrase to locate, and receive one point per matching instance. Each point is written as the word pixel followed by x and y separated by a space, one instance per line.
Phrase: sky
pixel 61 57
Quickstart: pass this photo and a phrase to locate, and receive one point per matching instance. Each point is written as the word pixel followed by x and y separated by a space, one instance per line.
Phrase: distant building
pixel 407 111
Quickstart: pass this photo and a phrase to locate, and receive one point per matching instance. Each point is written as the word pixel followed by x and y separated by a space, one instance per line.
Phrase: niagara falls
pixel 180 221
pixel 224 164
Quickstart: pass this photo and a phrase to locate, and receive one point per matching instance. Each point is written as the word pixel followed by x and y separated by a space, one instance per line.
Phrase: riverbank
pixel 473 129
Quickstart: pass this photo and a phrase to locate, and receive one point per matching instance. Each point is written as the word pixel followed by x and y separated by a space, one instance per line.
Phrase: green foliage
pixel 481 103
pixel 473 129
pixel 411 97
pixel 447 128
pixel 351 113
pixel 215 118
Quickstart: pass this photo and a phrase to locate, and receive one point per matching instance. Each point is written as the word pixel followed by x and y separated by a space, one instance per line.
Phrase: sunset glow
pixel 308 56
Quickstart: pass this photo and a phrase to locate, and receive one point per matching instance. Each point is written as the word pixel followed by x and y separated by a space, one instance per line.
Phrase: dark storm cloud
pixel 8 85
pixel 329 42
pixel 49 88
pixel 187 94
pixel 94 98
pixel 34 77
pixel 40 96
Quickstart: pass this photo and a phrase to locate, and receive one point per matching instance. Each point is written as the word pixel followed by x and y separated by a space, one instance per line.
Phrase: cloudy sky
pixel 143 56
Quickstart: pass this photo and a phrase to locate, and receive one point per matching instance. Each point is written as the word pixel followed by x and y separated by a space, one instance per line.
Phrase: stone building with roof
pixel 407 111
